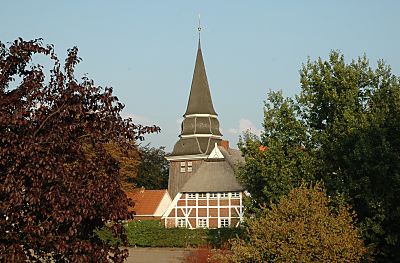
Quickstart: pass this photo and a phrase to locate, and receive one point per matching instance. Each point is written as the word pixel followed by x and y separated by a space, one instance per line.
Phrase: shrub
pixel 301 228
pixel 151 233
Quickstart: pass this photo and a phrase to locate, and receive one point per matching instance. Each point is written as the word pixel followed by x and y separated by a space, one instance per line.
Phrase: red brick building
pixel 201 183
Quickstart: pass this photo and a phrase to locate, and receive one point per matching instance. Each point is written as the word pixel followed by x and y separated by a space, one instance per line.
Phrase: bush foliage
pixel 152 233
pixel 300 228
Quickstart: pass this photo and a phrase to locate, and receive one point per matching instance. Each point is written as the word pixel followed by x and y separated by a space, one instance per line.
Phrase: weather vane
pixel 199 28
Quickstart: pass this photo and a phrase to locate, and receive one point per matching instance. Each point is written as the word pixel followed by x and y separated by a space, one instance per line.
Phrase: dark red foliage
pixel 57 182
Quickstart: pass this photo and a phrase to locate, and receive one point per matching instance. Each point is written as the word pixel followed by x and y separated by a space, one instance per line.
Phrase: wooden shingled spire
pixel 200 126
pixel 200 101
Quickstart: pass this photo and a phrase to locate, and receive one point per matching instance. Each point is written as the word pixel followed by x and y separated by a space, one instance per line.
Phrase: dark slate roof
pixel 194 146
pixel 216 175
pixel 200 97
pixel 232 156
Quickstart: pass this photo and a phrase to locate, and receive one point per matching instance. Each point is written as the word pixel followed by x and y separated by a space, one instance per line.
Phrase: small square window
pixel 181 222
pixel 189 167
pixel 202 195
pixel 224 195
pixel 183 167
pixel 202 222
pixel 224 222
pixel 213 195
pixel 235 195
pixel 191 195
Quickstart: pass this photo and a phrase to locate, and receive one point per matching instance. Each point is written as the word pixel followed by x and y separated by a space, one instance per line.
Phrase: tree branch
pixel 47 118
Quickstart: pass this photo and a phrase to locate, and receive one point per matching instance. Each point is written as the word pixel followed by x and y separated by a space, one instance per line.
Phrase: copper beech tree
pixel 57 181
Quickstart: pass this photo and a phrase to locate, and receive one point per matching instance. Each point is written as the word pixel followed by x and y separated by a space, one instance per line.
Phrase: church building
pixel 202 183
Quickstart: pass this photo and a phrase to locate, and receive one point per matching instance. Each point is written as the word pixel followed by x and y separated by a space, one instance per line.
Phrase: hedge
pixel 152 233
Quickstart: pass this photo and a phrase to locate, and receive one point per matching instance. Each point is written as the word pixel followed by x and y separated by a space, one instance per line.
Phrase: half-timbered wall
pixel 211 210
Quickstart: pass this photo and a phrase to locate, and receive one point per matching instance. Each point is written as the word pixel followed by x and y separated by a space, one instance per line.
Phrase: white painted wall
pixel 164 204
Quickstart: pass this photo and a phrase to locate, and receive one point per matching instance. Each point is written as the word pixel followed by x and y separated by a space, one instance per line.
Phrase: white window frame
pixel 224 195
pixel 183 167
pixel 202 222
pixel 189 167
pixel 213 195
pixel 181 222
pixel 224 222
pixel 202 195
pixel 235 194
pixel 191 195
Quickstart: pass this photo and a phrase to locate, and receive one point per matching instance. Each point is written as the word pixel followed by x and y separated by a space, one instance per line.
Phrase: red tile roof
pixel 146 201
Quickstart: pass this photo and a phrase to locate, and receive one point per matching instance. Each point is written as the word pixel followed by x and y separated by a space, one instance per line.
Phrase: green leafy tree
pixel 281 159
pixel 153 169
pixel 353 114
pixel 300 228
pixel 343 128
pixel 57 181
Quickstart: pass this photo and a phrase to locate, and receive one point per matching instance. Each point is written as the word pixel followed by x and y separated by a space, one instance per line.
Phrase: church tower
pixel 201 181
pixel 199 130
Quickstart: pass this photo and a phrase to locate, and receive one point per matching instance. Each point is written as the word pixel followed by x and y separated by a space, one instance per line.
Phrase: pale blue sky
pixel 146 49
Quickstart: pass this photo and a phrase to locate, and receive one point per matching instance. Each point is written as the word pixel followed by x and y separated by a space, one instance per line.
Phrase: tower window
pixel 183 167
pixel 189 167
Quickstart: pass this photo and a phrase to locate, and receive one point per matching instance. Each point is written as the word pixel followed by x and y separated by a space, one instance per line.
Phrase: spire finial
pixel 199 29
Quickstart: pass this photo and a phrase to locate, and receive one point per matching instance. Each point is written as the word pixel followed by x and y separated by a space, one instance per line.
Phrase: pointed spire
pixel 200 101
pixel 200 126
